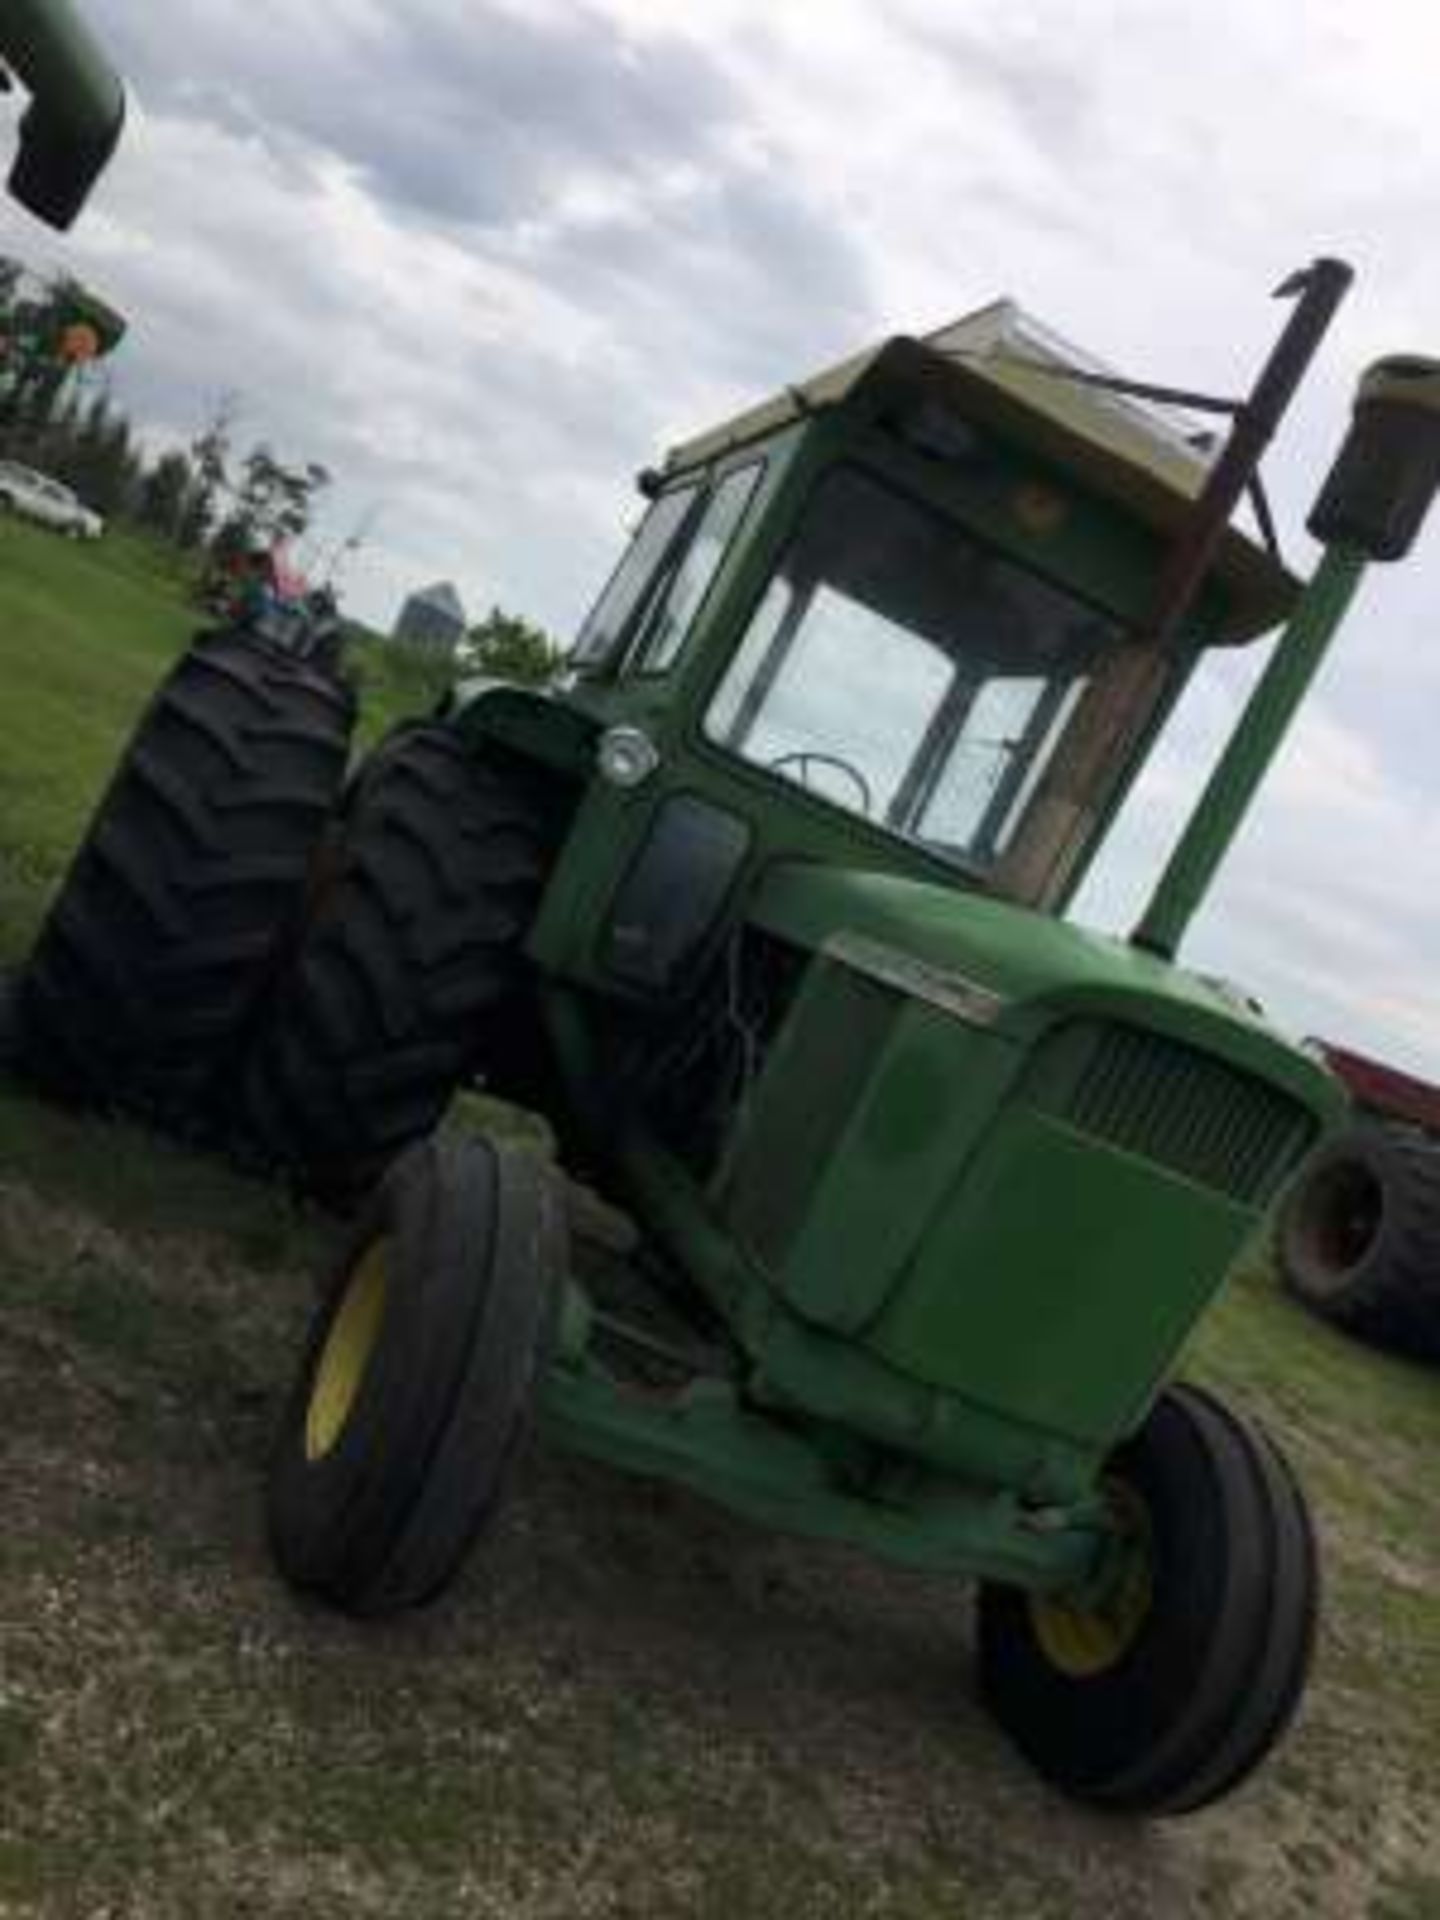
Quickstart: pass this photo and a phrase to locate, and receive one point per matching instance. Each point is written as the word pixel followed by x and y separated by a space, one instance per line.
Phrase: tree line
pixel 198 498
pixel 206 498
pixel 57 414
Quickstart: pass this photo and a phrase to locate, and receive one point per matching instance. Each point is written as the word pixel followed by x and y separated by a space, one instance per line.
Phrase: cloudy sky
pixel 486 257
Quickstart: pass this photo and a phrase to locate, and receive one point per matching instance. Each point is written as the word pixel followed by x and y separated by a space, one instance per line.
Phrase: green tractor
pixel 761 905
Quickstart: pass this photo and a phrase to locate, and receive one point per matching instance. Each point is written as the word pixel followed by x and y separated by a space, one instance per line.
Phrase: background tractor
pixel 761 905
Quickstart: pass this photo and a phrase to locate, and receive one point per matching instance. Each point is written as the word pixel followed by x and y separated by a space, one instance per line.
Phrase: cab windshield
pixel 902 670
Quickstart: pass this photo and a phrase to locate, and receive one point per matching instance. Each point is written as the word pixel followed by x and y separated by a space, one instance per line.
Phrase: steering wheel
pixel 804 760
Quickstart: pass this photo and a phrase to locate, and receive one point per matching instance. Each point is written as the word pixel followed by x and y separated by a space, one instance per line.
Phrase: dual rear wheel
pixel 180 903
pixel 242 951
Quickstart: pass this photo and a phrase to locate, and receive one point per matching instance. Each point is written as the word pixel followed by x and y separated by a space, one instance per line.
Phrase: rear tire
pixel 9 1022
pixel 411 974
pixel 187 884
pixel 1358 1238
pixel 418 1379
pixel 1164 1703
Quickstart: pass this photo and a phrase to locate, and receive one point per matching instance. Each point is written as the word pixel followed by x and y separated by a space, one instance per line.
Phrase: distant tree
pixel 231 536
pixel 55 442
pixel 210 460
pixel 164 493
pixel 511 648
pixel 90 429
pixel 192 529
pixel 10 272
pixel 102 464
pixel 274 500
pixel 116 487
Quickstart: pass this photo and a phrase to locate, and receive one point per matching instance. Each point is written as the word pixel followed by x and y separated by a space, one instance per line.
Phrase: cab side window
pixel 674 614
pixel 636 580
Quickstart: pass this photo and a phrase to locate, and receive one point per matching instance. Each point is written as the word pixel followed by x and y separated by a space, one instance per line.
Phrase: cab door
pixel 612 917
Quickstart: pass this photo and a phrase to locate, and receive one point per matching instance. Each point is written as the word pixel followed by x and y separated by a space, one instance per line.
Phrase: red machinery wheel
pixel 1358 1238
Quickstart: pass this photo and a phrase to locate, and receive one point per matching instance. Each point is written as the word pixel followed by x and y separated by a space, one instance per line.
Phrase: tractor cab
pixel 897 618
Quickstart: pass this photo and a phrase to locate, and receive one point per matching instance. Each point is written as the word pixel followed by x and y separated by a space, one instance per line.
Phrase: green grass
pixel 84 634
pixel 632 1707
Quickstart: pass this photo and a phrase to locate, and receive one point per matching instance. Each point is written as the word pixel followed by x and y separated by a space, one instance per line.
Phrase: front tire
pixel 411 975
pixel 1168 1692
pixel 418 1377
pixel 9 1023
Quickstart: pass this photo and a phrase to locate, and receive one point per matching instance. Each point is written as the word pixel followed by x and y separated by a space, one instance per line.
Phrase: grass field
pixel 631 1706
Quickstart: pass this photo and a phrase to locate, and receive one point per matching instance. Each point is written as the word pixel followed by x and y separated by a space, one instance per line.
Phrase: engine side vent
pixel 822 1064
pixel 1187 1111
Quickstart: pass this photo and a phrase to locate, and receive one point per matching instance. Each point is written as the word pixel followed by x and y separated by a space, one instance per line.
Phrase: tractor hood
pixel 1018 972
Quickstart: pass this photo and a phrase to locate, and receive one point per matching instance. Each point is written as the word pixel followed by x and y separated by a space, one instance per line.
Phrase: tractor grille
pixel 802 1110
pixel 1211 1122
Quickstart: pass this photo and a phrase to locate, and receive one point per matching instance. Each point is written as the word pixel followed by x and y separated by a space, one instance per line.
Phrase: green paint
pixel 1057 1282
pixel 1257 738
pixel 706 1440
pixel 1039 967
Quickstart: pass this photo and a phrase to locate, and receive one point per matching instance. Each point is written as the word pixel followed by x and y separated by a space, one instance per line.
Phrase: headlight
pixel 626 756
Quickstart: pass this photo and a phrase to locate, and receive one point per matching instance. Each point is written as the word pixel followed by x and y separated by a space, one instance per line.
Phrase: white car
pixel 38 497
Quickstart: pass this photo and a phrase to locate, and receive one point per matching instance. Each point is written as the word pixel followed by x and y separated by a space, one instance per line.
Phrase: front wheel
pixel 418 1378
pixel 1164 1692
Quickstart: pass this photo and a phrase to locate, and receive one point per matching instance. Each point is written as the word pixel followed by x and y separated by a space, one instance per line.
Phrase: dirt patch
pixel 630 1706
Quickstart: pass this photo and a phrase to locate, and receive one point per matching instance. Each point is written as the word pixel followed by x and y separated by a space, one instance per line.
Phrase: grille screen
pixel 803 1107
pixel 1198 1116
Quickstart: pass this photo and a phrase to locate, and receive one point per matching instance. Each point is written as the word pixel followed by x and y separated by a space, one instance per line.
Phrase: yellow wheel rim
pixel 352 1339
pixel 1082 1641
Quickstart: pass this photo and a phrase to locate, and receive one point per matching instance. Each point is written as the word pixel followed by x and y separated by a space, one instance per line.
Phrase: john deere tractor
pixel 762 904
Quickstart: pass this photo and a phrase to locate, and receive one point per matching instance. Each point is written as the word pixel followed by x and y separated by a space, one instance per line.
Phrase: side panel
pixel 868 1106
pixel 1059 1280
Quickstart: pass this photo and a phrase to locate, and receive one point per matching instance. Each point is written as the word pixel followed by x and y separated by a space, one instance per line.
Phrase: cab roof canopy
pixel 1000 369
